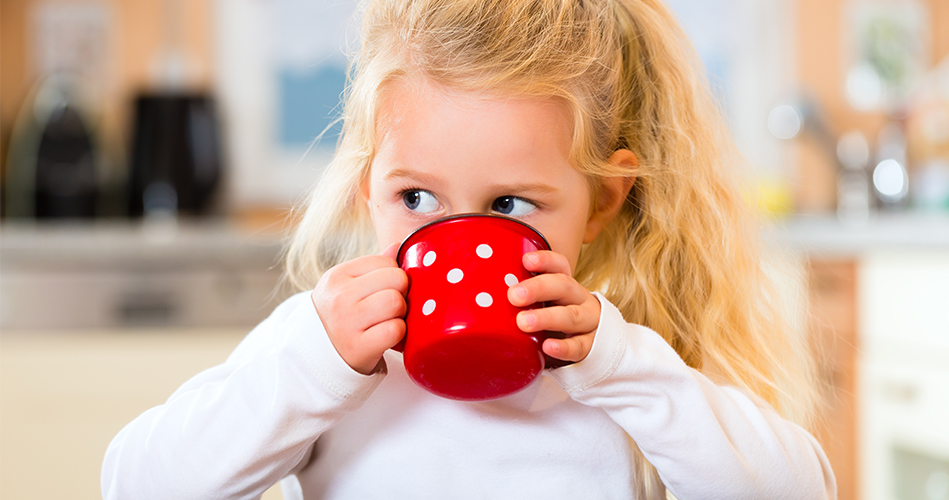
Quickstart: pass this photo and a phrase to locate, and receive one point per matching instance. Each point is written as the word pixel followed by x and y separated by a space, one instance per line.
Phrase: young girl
pixel 587 119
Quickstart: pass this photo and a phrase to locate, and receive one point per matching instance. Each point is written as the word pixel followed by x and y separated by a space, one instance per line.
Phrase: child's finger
pixel 559 289
pixel 367 263
pixel 376 340
pixel 384 335
pixel 391 251
pixel 574 348
pixel 567 319
pixel 381 306
pixel 546 261
pixel 382 279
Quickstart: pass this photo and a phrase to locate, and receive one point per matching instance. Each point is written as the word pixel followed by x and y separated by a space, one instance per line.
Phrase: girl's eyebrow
pixel 425 178
pixel 402 173
pixel 525 187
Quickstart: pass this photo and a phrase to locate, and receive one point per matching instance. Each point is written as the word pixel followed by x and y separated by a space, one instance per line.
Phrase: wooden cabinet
pixel 832 323
pixel 66 394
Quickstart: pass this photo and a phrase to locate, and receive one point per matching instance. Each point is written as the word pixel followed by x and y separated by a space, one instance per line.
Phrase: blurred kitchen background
pixel 151 151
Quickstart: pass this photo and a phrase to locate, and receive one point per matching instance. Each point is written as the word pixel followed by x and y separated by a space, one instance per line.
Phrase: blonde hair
pixel 681 257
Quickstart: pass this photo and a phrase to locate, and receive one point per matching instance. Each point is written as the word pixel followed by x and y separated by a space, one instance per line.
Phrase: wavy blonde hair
pixel 681 257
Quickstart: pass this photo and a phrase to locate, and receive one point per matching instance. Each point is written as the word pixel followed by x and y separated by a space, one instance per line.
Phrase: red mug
pixel 462 341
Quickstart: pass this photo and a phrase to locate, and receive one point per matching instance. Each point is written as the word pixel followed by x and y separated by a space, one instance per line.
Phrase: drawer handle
pixel 146 309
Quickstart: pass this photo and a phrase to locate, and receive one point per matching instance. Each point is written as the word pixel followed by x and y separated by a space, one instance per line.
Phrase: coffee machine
pixel 175 164
pixel 55 168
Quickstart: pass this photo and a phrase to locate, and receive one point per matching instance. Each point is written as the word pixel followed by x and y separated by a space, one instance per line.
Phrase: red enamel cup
pixel 462 341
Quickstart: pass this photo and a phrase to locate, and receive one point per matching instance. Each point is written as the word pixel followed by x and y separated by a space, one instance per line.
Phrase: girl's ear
pixel 364 194
pixel 612 194
pixel 364 188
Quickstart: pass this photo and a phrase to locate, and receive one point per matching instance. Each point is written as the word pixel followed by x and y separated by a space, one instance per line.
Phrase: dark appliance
pixel 53 164
pixel 176 162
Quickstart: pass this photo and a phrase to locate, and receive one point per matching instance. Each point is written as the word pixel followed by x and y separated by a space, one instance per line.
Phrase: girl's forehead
pixel 430 113
pixel 407 90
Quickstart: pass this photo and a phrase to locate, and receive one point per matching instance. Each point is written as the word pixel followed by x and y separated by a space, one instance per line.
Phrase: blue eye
pixel 512 206
pixel 420 201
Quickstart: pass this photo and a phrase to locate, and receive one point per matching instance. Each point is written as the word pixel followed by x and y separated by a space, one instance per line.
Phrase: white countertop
pixel 119 244
pixel 828 235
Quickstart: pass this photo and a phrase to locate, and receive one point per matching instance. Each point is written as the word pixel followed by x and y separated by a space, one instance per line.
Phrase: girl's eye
pixel 512 206
pixel 420 201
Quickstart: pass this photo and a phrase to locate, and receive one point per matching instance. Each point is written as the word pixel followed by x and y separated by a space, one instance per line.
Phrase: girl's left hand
pixel 573 310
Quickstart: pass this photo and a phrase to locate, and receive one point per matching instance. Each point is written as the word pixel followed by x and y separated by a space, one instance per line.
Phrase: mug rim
pixel 471 215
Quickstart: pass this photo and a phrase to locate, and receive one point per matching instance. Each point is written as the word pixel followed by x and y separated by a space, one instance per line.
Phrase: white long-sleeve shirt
pixel 286 406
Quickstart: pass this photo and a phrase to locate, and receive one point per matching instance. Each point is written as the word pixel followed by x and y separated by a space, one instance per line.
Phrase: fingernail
pixel 528 319
pixel 533 259
pixel 520 292
pixel 553 347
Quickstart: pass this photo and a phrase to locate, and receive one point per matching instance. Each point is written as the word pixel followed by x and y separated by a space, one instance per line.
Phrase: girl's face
pixel 443 152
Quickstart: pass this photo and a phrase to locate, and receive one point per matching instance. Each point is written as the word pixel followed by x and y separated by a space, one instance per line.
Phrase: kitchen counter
pixel 194 273
pixel 118 244
pixel 121 274
pixel 195 243
pixel 827 235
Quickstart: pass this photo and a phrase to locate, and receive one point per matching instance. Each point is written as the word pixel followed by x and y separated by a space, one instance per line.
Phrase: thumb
pixel 391 251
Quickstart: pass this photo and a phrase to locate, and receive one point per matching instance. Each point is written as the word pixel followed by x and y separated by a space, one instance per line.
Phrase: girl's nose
pixel 470 207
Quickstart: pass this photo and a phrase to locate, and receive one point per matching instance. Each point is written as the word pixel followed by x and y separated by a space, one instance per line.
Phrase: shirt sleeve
pixel 236 429
pixel 706 441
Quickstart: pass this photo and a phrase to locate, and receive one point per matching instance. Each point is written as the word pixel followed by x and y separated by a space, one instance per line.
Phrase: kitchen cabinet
pixel 904 375
pixel 67 393
pixel 878 316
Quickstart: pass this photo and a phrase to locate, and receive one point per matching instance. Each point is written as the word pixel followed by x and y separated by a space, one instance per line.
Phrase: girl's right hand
pixel 362 305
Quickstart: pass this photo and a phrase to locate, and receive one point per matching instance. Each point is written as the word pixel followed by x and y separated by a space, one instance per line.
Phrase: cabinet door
pixel 832 322
pixel 903 305
pixel 67 393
